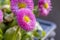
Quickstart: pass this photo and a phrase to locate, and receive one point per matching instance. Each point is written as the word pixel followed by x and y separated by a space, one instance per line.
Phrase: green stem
pixel 17 30
pixel 16 34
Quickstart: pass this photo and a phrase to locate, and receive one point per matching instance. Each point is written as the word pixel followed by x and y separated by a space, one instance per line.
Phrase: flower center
pixel 21 5
pixel 26 19
pixel 46 5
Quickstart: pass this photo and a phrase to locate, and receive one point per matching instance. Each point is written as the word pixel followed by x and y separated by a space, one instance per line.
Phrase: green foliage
pixel 36 34
pixel 13 23
pixel 43 33
pixel 6 1
pixel 1 34
pixel 36 11
pixel 12 34
pixel 2 26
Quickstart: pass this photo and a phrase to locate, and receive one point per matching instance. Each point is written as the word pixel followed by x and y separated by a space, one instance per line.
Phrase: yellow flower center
pixel 26 19
pixel 21 5
pixel 46 5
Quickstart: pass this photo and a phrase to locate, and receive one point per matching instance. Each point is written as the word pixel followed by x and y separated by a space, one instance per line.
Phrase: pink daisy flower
pixel 44 7
pixel 1 16
pixel 18 4
pixel 26 19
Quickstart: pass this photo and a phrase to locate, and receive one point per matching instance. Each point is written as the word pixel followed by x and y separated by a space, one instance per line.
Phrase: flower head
pixel 44 7
pixel 26 19
pixel 1 16
pixel 18 4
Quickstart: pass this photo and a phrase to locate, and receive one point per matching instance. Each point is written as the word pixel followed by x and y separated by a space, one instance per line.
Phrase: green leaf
pixel 36 11
pixel 13 23
pixel 36 7
pixel 2 26
pixel 12 34
pixel 6 1
pixel 1 34
pixel 23 35
pixel 36 34
pixel 43 33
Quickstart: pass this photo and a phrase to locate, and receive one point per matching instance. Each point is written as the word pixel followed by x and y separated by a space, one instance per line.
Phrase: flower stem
pixel 15 35
pixel 17 29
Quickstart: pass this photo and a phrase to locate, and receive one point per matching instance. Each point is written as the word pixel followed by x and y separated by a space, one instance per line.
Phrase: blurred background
pixel 54 16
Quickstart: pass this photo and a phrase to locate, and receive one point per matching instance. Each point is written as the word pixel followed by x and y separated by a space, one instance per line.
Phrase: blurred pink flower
pixel 1 16
pixel 18 4
pixel 26 19
pixel 44 7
